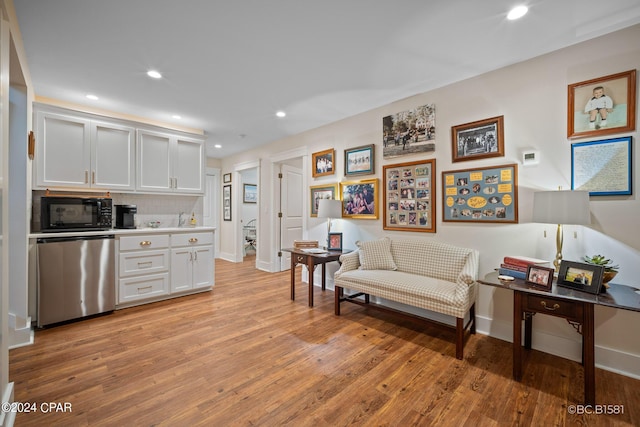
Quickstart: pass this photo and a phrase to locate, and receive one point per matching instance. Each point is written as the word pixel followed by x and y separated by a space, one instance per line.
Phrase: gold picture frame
pixel 360 199
pixel 409 196
pixel 323 163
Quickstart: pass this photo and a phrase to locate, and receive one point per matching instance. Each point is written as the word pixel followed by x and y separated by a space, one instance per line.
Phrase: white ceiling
pixel 229 65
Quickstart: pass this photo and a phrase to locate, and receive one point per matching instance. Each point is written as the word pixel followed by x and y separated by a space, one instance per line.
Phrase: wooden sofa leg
pixel 472 314
pixel 459 337
pixel 337 292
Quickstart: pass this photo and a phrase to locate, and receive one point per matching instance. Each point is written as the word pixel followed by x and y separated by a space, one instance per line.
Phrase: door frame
pixel 236 201
pixel 275 161
pixel 214 205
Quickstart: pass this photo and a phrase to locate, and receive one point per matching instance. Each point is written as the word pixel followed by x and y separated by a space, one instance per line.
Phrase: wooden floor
pixel 246 355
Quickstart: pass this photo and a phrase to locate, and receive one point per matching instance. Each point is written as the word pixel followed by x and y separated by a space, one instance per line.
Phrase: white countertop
pixel 118 232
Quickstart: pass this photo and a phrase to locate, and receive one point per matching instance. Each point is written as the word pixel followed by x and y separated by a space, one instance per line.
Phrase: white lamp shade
pixel 329 208
pixel 561 207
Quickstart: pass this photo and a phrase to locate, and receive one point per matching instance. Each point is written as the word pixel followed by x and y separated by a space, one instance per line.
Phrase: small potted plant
pixel 610 270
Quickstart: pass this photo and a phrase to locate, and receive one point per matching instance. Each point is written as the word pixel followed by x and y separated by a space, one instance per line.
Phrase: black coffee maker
pixel 126 216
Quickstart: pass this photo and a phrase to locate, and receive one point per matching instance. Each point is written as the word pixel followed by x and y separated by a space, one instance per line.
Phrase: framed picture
pixel 602 106
pixel 582 276
pixel 335 242
pixel 250 193
pixel 487 194
pixel 540 277
pixel 323 162
pixel 359 160
pixel 409 132
pixel 321 192
pixel 226 202
pixel 360 199
pixel 602 167
pixel 409 196
pixel 226 178
pixel 478 140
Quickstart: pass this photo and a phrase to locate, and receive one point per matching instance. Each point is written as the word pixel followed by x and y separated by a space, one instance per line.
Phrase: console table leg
pixel 517 336
pixel 293 277
pixel 588 355
pixel 310 267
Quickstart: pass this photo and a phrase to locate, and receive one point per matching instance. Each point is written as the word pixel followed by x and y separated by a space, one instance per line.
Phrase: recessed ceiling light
pixel 92 97
pixel 218 146
pixel 176 116
pixel 281 114
pixel 154 74
pixel 517 12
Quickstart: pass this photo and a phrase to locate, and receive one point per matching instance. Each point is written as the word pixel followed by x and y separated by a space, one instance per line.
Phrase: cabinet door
pixel 181 269
pixel 112 159
pixel 202 266
pixel 153 161
pixel 63 152
pixel 188 165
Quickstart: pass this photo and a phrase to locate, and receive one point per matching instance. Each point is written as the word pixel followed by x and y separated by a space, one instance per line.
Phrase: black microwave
pixel 75 213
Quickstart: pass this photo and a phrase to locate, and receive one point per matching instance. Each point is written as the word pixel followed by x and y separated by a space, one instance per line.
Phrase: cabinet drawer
pixel 551 306
pixel 150 241
pixel 143 262
pixel 138 288
pixel 191 239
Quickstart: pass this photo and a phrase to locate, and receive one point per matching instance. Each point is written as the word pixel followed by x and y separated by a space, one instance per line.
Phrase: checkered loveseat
pixel 435 276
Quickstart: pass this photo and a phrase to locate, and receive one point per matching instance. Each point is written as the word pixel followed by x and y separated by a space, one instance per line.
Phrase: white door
pixel 291 207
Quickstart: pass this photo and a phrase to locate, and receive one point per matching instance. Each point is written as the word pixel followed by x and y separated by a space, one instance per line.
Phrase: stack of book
pixel 516 266
pixel 305 244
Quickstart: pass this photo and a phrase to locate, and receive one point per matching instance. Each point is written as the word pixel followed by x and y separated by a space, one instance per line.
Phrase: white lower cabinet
pixel 152 267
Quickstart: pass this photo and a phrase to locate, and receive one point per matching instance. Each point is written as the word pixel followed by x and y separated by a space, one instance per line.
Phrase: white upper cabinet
pixel 170 163
pixel 81 153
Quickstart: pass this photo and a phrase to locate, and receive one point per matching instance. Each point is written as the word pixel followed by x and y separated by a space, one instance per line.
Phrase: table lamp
pixel 561 207
pixel 329 208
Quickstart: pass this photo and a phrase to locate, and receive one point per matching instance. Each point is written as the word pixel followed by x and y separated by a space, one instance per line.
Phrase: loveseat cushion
pixel 376 255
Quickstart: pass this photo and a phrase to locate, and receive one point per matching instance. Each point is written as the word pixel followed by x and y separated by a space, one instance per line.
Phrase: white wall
pixel 532 96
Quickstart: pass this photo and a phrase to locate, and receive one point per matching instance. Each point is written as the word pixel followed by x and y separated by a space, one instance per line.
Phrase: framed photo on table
pixel 582 276
pixel 478 140
pixel 360 199
pixel 409 196
pixel 602 106
pixel 540 277
pixel 602 167
pixel 487 194
pixel 318 192
pixel 323 163
pixel 335 242
pixel 359 160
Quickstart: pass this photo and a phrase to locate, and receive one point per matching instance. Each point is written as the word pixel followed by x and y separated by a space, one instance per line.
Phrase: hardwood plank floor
pixel 246 355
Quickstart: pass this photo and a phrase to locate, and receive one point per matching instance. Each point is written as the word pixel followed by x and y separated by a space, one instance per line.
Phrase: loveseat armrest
pixel 350 261
pixel 466 281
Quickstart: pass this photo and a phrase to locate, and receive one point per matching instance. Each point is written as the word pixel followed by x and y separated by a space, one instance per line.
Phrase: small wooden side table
pixel 299 256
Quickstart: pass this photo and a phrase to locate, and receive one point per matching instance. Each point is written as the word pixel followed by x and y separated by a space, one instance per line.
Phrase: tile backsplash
pixel 151 207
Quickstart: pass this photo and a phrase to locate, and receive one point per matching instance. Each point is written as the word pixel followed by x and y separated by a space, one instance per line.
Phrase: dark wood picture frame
pixel 619 101
pixel 323 163
pixel 359 160
pixel 485 195
pixel 226 202
pixel 590 159
pixel 226 178
pixel 409 196
pixel 478 140
pixel 335 242
pixel 540 277
pixel 351 192
pixel 317 192
pixel 580 275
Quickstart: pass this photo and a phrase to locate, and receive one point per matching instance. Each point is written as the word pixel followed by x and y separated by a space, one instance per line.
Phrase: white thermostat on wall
pixel 530 157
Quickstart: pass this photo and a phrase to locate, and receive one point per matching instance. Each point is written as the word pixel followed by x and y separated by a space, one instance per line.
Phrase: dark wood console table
pixel 299 256
pixel 574 306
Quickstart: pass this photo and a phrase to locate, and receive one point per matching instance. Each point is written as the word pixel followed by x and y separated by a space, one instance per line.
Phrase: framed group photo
pixel 603 168
pixel 488 194
pixel 360 199
pixel 582 276
pixel 323 163
pixel 409 132
pixel 409 196
pixel 359 160
pixel 602 106
pixel 478 140
pixel 318 192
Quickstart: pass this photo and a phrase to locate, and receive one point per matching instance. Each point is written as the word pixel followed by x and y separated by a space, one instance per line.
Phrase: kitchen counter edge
pixel 119 232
